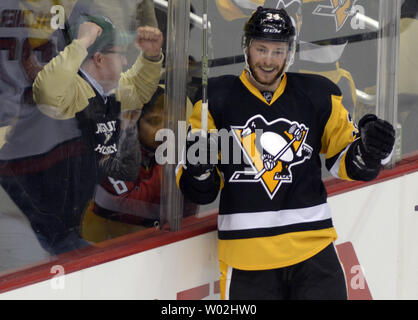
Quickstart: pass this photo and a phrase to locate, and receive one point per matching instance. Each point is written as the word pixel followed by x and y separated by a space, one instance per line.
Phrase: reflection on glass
pixel 61 131
pixel 336 39
pixel 121 207
pixel 408 79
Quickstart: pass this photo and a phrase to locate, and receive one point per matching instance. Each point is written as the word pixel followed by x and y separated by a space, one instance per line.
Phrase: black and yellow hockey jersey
pixel 273 208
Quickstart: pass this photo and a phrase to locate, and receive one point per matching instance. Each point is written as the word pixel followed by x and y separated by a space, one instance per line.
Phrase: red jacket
pixel 134 202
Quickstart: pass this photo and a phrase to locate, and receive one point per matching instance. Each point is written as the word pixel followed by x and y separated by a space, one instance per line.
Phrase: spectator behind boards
pixel 85 82
pixel 122 207
pixel 275 227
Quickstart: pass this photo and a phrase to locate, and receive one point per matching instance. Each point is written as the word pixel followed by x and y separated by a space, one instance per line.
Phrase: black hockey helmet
pixel 269 24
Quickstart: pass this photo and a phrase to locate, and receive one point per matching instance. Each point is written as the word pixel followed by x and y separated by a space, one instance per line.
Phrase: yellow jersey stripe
pixel 337 129
pixel 195 119
pixel 265 253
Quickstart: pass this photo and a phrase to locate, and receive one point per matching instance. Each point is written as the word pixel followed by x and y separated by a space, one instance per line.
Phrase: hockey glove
pixel 201 155
pixel 200 181
pixel 377 139
pixel 365 156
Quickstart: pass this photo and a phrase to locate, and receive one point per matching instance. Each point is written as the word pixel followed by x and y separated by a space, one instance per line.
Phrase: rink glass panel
pixel 341 40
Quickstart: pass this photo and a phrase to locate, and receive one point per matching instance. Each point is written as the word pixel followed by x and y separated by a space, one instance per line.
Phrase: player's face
pixel 114 60
pixel 267 60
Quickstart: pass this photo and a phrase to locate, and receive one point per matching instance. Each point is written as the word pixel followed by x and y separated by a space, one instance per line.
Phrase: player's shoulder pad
pixel 218 87
pixel 222 82
pixel 312 84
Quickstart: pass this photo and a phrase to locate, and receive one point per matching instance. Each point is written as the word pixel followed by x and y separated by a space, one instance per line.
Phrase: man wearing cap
pixel 85 82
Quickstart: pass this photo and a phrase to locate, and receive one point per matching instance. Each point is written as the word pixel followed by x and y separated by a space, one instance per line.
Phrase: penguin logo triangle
pixel 272 149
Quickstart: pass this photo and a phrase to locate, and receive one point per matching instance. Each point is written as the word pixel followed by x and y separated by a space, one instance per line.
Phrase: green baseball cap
pixel 109 37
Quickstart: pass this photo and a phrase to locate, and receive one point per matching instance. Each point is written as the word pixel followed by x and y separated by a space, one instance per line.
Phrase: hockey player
pixel 274 225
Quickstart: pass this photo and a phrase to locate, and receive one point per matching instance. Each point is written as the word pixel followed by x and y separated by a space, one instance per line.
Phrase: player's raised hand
pixel 88 32
pixel 150 40
pixel 377 137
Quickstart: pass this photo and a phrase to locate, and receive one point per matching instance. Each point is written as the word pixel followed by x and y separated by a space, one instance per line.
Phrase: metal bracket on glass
pixel 194 18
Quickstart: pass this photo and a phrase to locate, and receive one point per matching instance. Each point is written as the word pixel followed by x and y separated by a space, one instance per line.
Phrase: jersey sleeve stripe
pixel 196 118
pixel 338 130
